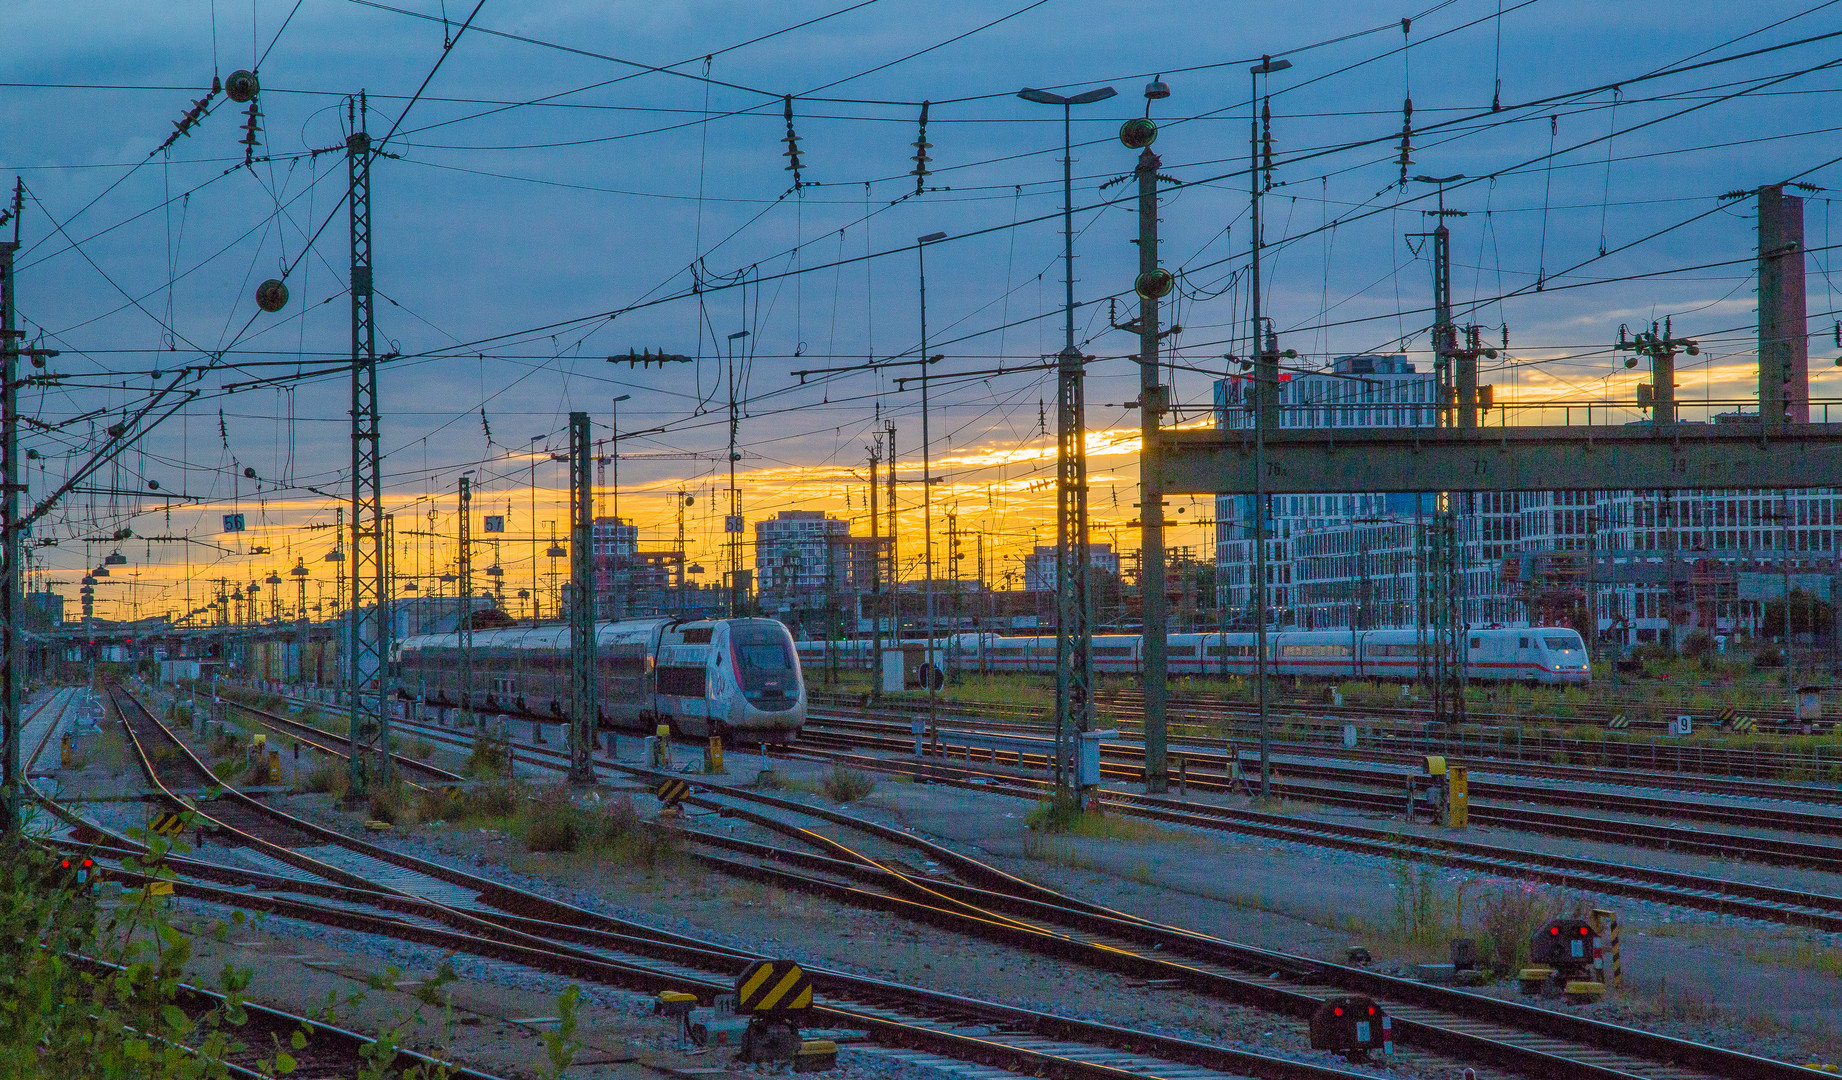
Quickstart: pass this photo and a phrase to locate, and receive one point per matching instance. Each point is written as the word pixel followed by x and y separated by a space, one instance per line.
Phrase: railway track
pixel 1761 902
pixel 1381 787
pixel 1519 736
pixel 331 1051
pixel 1181 707
pixel 1410 751
pixel 499 921
pixel 1542 1042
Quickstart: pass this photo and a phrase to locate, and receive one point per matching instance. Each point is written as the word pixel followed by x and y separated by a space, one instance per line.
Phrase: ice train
pixel 1534 654
pixel 737 678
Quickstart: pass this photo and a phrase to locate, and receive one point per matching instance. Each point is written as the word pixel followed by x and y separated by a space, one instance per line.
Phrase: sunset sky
pixel 577 180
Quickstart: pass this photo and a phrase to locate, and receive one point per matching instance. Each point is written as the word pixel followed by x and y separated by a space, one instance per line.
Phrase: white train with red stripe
pixel 1533 654
pixel 738 678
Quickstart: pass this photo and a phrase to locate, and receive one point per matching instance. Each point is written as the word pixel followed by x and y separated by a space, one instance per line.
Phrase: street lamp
pixel 1074 617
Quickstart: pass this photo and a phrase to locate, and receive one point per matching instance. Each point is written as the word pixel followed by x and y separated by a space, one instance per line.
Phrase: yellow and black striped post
pixel 1611 960
pixel 773 986
pixel 671 792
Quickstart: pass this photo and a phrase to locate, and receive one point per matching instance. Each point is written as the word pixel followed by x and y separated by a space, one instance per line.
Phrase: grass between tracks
pixel 546 819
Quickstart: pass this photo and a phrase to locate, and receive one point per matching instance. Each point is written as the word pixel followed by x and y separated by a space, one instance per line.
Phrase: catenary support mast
pixel 584 713
pixel 368 676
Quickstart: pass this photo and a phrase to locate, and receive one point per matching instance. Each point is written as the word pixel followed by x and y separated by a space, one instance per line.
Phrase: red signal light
pixel 87 863
pixel 1371 1010
pixel 1582 931
pixel 1555 930
pixel 66 865
pixel 1337 1010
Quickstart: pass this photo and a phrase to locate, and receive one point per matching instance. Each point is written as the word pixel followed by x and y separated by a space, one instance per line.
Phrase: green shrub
pixel 1420 906
pixel 439 804
pixel 1059 814
pixel 553 822
pixel 491 800
pixel 62 1017
pixel 387 802
pixel 627 838
pixel 328 776
pixel 842 785
pixel 1508 917
pixel 489 758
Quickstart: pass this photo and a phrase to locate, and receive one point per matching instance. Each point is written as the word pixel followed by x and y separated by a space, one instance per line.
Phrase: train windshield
pixel 1561 644
pixel 764 656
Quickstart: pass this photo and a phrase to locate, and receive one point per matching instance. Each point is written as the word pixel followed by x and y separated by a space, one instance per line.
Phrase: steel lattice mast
pixel 463 621
pixel 370 663
pixel 584 707
pixel 11 670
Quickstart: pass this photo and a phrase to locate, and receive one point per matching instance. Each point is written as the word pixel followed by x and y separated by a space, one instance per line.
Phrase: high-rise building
pixel 630 582
pixel 808 563
pixel 1638 565
pixel 1039 565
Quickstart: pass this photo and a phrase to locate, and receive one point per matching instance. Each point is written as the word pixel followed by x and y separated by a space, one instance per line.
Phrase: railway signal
pixel 1352 1025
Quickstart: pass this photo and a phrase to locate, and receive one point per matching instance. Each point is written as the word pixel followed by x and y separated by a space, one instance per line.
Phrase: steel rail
pixel 491 934
pixel 1450 1035
pixel 303 732
pixel 1603 772
pixel 891 736
pixel 1609 830
pixel 1762 902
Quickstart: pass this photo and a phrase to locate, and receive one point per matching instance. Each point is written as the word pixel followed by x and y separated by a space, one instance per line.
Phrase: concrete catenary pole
pixel 1152 284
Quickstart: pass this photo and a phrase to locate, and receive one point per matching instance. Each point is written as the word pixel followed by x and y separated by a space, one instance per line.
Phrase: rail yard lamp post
pixel 1074 670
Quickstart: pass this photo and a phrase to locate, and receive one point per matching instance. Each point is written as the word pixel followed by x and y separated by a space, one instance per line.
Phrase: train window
pixel 697 635
pixel 1477 643
pixel 1559 644
pixel 682 681
pixel 1522 643
pixel 760 648
pixel 1314 650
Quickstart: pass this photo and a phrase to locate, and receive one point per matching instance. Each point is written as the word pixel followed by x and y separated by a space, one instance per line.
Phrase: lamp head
pixel 1138 133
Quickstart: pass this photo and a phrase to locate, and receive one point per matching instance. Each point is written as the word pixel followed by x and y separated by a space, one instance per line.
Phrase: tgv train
pixel 1538 654
pixel 737 678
